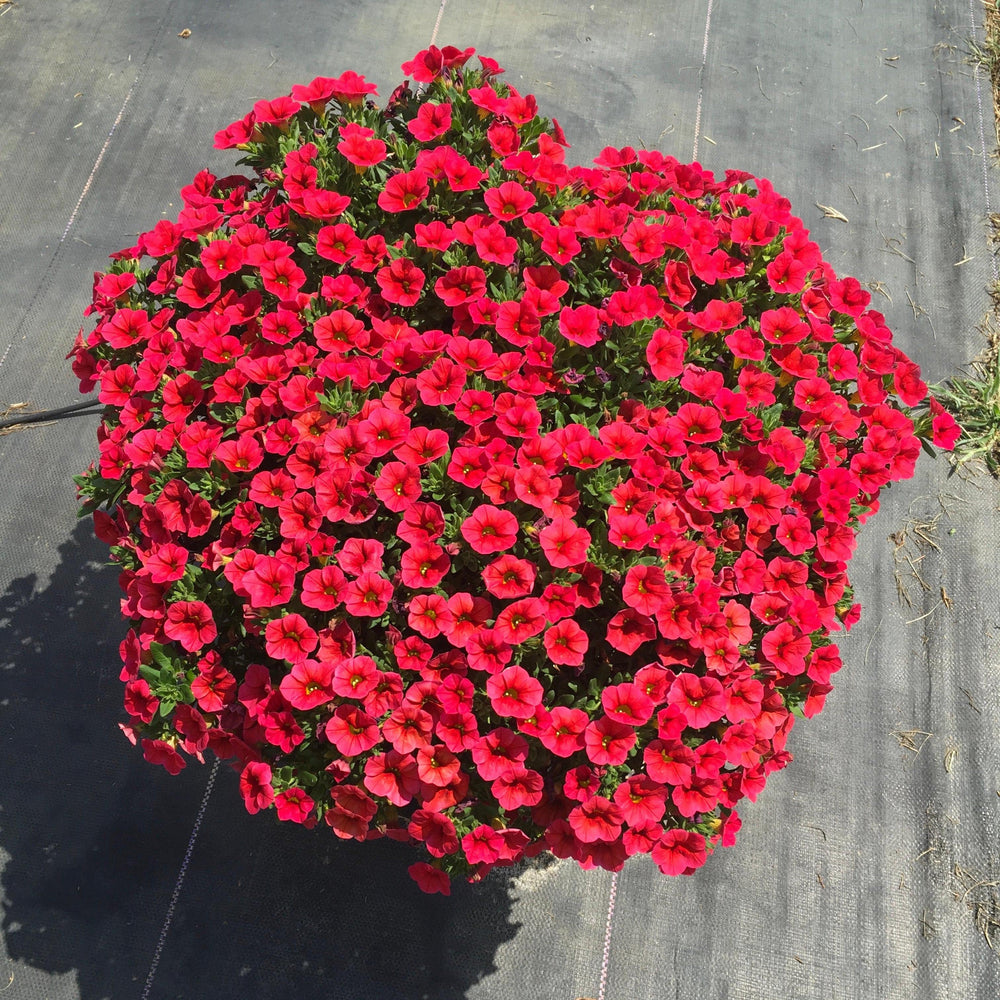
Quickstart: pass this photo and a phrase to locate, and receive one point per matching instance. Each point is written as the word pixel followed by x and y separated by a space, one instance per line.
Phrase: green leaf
pixel 147 673
pixel 160 657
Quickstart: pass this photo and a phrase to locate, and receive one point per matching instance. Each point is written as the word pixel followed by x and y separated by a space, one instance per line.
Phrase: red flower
pixel 397 485
pixel 483 845
pixel 348 88
pixel 564 542
pixel 494 245
pixel 499 752
pixel 487 651
pixel 665 354
pixel 645 587
pixel 564 734
pixel 294 805
pixel 276 112
pixel 214 687
pixel 945 431
pixel 290 638
pixel 442 383
pixel 566 643
pixel 269 583
pixel 628 630
pixel 430 879
pixel 701 699
pixel 640 800
pixel 596 819
pixel 608 742
pixel 392 776
pixel 430 615
pixel 352 730
pixel 461 285
pixel 359 146
pixel 308 685
pixel 489 529
pixel 508 201
pixel 401 282
pixel 323 588
pixel 627 703
pixel 191 624
pixel 368 596
pixel 520 620
pixel 517 788
pixel 255 786
pixel 786 648
pixel 351 814
pixel 423 565
pixel 700 795
pixel 514 692
pixel 679 852
pixel 403 192
pixel 408 728
pixel 432 120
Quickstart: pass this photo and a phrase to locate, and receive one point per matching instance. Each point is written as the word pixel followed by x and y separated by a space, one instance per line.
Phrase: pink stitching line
pixel 180 881
pixel 605 960
pixel 437 23
pixel 701 80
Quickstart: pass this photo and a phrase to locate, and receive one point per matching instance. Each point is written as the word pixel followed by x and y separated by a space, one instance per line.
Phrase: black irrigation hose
pixel 62 411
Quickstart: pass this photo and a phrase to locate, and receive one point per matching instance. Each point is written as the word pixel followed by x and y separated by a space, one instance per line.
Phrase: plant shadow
pixel 95 840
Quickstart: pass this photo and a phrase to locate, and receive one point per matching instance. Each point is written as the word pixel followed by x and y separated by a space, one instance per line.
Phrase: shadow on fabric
pixel 96 838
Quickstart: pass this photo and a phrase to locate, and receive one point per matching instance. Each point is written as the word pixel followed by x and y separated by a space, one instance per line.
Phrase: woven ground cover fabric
pixel 865 867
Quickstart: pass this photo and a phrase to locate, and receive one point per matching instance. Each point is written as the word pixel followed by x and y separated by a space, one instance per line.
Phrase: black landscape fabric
pixel 868 868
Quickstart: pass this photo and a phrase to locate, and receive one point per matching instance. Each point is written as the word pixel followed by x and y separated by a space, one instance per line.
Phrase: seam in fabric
pixel 180 881
pixel 76 208
pixel 701 80
pixel 605 959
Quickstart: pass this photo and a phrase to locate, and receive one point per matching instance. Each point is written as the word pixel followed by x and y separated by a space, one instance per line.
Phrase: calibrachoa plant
pixel 472 499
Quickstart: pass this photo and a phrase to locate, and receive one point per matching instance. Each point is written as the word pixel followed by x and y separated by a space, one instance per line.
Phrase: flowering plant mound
pixel 468 498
